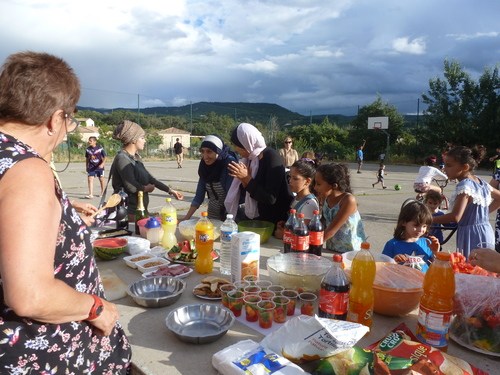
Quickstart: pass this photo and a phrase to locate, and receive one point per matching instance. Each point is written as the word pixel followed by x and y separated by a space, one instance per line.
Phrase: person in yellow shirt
pixel 288 154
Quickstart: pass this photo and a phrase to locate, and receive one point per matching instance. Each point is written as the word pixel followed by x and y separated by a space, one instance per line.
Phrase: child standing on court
pixel 344 229
pixel 410 244
pixel 380 176
pixel 95 158
pixel 301 181
pixel 472 200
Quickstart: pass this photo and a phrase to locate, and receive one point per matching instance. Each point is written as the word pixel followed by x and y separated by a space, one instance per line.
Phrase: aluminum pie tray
pixel 200 323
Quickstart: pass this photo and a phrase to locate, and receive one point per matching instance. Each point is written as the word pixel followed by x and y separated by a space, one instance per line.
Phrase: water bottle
pixel 227 229
pixel 288 232
pixel 334 292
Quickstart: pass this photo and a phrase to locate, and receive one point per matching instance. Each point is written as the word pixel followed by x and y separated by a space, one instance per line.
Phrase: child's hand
pixel 433 244
pixel 400 258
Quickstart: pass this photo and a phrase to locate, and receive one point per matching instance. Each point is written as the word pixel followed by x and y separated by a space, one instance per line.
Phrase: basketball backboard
pixel 378 123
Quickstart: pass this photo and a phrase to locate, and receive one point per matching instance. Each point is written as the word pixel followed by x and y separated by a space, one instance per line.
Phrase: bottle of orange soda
pixel 361 297
pixel 204 244
pixel 436 304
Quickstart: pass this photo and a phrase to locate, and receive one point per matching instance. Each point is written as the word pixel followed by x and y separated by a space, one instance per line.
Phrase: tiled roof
pixel 173 131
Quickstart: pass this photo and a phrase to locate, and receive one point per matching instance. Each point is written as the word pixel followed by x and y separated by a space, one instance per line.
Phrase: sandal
pixel 89 196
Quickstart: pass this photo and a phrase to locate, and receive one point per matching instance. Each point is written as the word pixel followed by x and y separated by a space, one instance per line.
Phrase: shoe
pixel 359 171
pixel 89 196
pixel 384 187
pixel 373 185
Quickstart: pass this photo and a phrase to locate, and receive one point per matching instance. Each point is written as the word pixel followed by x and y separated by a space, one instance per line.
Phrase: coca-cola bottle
pixel 316 234
pixel 300 237
pixel 334 292
pixel 288 232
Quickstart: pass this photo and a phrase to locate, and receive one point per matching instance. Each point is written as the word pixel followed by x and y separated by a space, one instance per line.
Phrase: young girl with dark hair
pixel 411 244
pixel 472 201
pixel 344 229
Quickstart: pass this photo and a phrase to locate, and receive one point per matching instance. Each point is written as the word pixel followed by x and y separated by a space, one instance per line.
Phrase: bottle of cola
pixel 316 234
pixel 300 238
pixel 334 292
pixel 288 232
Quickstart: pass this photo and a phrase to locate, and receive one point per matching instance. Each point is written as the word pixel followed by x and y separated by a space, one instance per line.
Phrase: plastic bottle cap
pixel 152 223
pixel 229 216
pixel 292 211
pixel 301 215
pixel 337 258
pixel 443 256
pixel 168 199
pixel 316 212
pixel 204 213
pixel 365 245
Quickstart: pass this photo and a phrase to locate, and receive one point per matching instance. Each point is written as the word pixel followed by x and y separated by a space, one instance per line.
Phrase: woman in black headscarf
pixel 214 177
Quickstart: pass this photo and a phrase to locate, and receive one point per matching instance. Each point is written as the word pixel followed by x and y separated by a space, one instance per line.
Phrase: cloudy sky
pixel 310 56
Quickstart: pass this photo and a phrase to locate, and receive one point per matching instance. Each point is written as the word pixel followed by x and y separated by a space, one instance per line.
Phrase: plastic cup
pixel 266 295
pixel 241 285
pixel 277 289
pixel 263 284
pixel 251 279
pixel 235 298
pixel 252 290
pixel 307 303
pixel 292 295
pixel 251 308
pixel 280 311
pixel 486 245
pixel 266 312
pixel 224 290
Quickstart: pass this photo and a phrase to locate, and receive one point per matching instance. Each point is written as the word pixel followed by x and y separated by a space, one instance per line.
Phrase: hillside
pixel 245 112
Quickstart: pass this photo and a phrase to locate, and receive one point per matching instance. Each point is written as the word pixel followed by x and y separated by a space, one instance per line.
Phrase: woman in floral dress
pixel 54 318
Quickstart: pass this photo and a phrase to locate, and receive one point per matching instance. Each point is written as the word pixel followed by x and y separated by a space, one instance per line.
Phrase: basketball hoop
pixel 376 128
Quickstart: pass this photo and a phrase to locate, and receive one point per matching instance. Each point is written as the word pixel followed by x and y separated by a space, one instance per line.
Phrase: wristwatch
pixel 96 309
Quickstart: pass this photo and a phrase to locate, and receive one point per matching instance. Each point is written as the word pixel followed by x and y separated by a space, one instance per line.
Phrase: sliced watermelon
pixel 109 248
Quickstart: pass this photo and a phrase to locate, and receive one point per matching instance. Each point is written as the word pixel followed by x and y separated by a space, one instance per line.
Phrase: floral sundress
pixel 31 347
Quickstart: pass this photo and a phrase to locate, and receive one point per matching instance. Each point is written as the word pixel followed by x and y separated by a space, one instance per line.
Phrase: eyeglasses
pixel 288 141
pixel 72 120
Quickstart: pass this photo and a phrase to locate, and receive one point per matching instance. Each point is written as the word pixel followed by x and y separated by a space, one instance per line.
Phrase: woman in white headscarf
pixel 260 176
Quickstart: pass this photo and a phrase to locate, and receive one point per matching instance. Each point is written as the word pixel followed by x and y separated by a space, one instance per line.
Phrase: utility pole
pixel 138 110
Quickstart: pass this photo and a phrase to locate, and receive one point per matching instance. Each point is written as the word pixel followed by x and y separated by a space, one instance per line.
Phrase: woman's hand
pixel 177 195
pixel 106 322
pixel 238 170
pixel 280 229
pixel 485 258
pixel 85 208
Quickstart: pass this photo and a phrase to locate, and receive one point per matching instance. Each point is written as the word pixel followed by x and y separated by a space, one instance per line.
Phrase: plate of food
pixel 185 253
pixel 209 288
pixel 175 270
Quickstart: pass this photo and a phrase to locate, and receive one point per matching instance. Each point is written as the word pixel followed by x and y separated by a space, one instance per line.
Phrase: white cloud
pixel 492 34
pixel 404 45
pixel 264 66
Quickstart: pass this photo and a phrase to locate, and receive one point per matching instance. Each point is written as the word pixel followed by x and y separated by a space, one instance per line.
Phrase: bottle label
pixel 287 236
pixel 226 236
pixel 433 327
pixel 300 243
pixel 360 313
pixel 333 303
pixel 168 219
pixel 204 236
pixel 316 238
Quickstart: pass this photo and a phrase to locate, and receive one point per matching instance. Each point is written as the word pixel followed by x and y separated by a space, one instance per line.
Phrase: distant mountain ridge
pixel 243 112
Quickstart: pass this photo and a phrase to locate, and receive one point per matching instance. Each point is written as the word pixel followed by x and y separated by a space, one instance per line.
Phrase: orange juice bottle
pixel 204 244
pixel 436 304
pixel 361 297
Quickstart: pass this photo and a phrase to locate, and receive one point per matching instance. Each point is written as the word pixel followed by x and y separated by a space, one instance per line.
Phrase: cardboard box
pixel 245 255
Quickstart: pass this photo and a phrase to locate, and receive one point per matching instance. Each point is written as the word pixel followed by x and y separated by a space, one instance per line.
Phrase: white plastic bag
pixel 307 338
pixel 249 358
pixel 137 245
